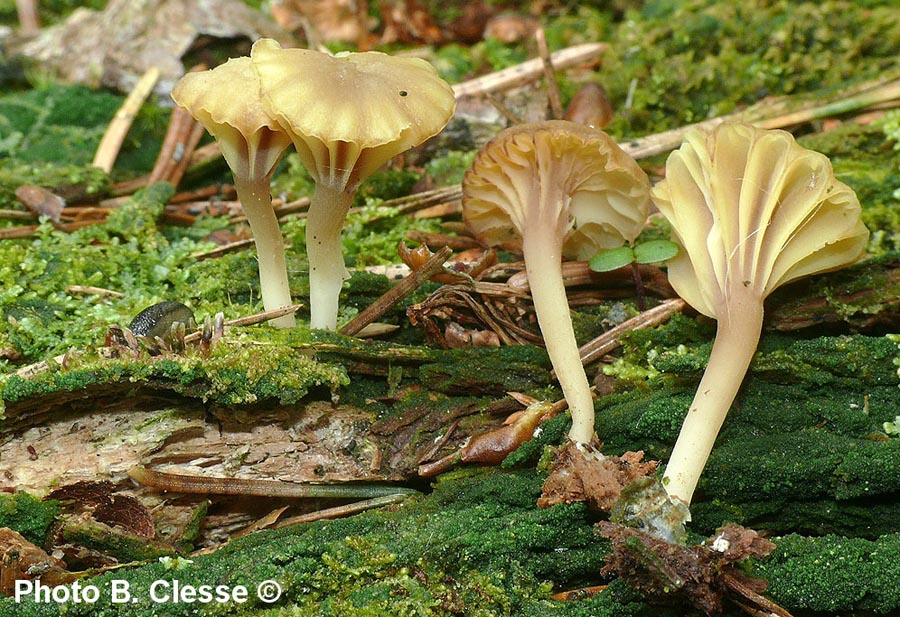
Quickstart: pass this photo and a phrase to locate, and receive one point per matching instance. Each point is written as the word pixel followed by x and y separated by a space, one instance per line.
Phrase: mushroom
pixel 347 116
pixel 554 189
pixel 751 211
pixel 226 101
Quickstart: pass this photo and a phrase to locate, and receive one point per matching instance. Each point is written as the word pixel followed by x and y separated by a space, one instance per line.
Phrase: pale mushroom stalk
pixel 543 263
pixel 554 189
pixel 732 351
pixel 751 211
pixel 226 100
pixel 256 200
pixel 347 115
pixel 327 211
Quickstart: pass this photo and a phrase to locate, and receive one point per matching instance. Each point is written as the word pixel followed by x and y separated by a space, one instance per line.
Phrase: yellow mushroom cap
pixel 556 173
pixel 753 209
pixel 226 101
pixel 349 114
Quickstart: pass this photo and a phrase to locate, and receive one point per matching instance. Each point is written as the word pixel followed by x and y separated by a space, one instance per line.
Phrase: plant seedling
pixel 651 252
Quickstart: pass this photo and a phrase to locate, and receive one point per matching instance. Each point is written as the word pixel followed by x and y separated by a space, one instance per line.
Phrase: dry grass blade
pixel 109 147
pixel 29 17
pixel 93 291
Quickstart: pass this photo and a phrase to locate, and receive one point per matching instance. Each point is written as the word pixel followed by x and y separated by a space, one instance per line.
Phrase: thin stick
pixel 347 510
pixel 875 96
pixel 528 71
pixel 511 117
pixel 549 75
pixel 214 190
pixel 398 292
pixel 207 485
pixel 237 245
pixel 768 116
pixel 609 340
pixel 95 291
pixel 109 147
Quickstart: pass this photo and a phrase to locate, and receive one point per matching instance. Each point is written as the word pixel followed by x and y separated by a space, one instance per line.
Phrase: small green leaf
pixel 656 251
pixel 612 259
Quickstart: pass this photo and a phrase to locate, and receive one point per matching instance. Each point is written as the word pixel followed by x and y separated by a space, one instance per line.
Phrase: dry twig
pixel 115 133
pixel 528 71
pixel 556 106
pixel 398 292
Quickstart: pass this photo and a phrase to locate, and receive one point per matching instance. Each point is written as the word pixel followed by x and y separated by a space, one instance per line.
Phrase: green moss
pixel 858 518
pixel 28 516
pixel 680 349
pixel 449 168
pixel 128 254
pixel 482 370
pixel 693 60
pixel 64 124
pixel 66 180
pixel 477 545
pixel 834 574
pixel 234 373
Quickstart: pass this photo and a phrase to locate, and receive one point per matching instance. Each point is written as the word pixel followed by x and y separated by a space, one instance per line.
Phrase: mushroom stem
pixel 737 335
pixel 543 263
pixel 256 201
pixel 327 211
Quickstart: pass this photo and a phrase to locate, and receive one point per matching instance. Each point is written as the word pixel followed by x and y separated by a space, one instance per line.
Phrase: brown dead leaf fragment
pixel 581 473
pixel 22 560
pixel 408 21
pixel 492 447
pixel 40 201
pixel 121 511
pixel 85 493
pixel 128 513
pixel 702 576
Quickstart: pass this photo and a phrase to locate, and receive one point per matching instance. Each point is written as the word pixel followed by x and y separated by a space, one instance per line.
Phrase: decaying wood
pixel 130 36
